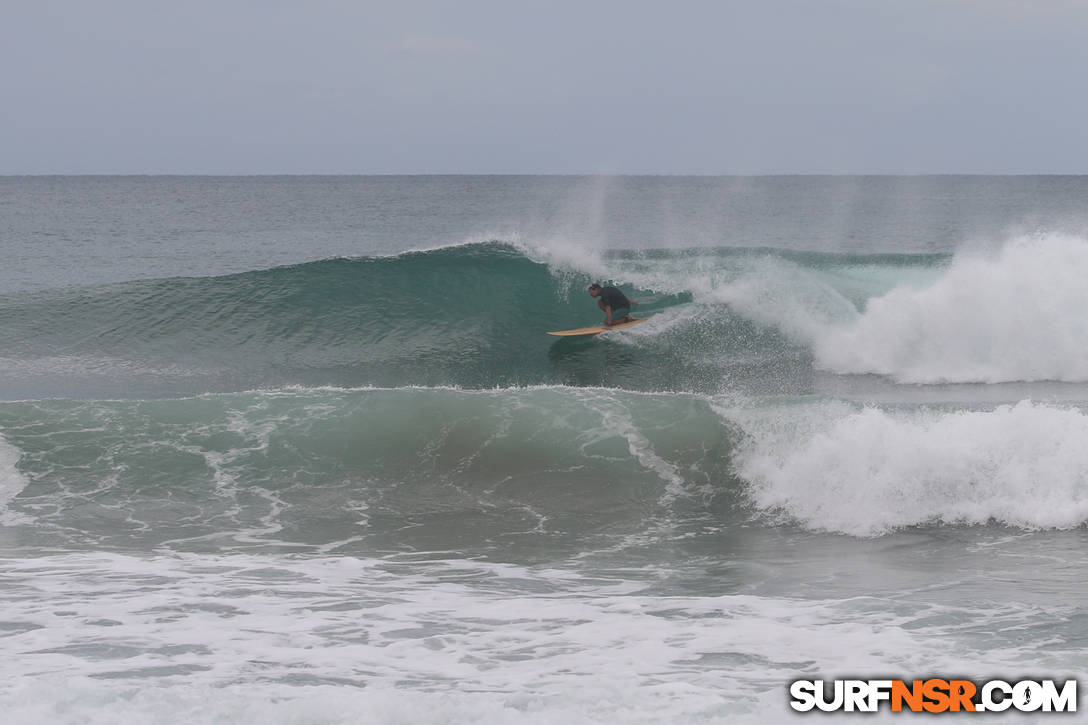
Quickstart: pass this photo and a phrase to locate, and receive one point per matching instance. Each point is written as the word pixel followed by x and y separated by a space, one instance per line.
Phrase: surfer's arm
pixel 607 312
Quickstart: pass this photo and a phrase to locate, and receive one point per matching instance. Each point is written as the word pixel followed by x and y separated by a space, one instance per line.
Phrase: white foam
pixel 865 472
pixel 266 639
pixel 1013 315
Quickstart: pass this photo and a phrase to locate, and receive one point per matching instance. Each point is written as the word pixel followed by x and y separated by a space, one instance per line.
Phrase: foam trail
pixel 618 420
pixel 866 472
pixel 1014 316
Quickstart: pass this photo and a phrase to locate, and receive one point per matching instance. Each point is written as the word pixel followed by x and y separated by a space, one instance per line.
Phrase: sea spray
pixel 1013 314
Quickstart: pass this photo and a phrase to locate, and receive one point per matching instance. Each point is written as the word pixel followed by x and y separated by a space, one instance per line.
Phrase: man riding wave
pixel 616 306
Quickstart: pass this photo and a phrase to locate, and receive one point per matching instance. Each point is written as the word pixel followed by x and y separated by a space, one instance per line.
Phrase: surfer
pixel 616 306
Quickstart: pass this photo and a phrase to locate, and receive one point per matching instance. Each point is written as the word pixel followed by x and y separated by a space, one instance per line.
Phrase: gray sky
pixel 509 86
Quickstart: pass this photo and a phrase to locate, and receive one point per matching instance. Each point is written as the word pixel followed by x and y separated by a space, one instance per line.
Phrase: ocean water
pixel 297 450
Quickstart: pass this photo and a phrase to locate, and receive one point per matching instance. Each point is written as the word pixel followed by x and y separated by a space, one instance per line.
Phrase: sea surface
pixel 298 449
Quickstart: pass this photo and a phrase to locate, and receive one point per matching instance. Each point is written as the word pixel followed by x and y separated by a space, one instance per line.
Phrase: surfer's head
pixel 594 289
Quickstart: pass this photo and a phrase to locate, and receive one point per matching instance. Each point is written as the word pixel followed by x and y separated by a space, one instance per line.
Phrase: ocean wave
pixel 319 463
pixel 474 315
pixel 308 467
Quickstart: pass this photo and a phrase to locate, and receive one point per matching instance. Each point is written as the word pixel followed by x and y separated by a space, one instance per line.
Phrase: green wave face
pixel 306 468
pixel 472 316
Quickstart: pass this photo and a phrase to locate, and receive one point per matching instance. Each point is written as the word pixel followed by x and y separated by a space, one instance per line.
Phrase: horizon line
pixel 539 175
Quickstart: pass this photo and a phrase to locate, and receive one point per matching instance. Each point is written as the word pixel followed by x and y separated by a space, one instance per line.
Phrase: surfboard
pixel 596 329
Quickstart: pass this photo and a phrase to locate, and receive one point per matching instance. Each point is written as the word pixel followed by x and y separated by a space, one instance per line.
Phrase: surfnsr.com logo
pixel 934 695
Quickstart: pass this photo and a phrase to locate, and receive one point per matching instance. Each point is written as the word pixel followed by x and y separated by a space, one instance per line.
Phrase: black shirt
pixel 613 298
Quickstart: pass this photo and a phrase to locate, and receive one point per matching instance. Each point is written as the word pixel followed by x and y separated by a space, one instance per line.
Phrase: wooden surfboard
pixel 597 329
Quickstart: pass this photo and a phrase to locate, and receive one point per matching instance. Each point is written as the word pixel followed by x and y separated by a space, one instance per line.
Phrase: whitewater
pixel 325 466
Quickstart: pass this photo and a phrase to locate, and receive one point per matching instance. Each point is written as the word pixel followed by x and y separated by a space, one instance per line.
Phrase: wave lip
pixel 1014 316
pixel 867 472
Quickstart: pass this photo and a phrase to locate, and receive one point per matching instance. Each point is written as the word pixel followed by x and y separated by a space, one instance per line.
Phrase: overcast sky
pixel 517 86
